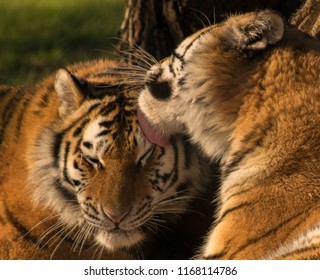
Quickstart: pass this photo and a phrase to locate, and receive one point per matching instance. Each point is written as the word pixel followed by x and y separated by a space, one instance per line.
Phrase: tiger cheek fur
pixel 81 181
pixel 247 93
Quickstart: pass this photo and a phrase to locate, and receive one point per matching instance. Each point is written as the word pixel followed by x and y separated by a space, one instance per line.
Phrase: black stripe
pixel 235 208
pixel 22 229
pixel 171 69
pixel 166 176
pixel 182 82
pixel 238 157
pixel 80 128
pixel 76 166
pixel 56 148
pixel 162 152
pixel 176 164
pixel 178 56
pixel 22 113
pixel 8 112
pixel 194 40
pixel 106 124
pixel 89 205
pixel 110 107
pixel 76 183
pixel 4 91
pixel 77 132
pixel 44 100
pixel 72 125
pixel 250 242
pixel 68 196
pixel 146 154
pixel 129 110
pixel 100 91
pixel 265 235
pixel 312 249
pixel 77 146
pixel 104 132
pixel 241 192
pixel 65 162
pixel 91 216
pixel 88 145
pixel 183 186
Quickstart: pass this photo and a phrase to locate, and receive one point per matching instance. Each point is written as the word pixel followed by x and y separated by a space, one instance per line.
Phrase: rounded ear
pixel 68 88
pixel 255 31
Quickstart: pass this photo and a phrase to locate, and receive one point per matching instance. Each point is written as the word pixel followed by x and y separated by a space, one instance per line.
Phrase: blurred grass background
pixel 39 36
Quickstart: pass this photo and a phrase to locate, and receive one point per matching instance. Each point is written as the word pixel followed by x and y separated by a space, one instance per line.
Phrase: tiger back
pixel 78 179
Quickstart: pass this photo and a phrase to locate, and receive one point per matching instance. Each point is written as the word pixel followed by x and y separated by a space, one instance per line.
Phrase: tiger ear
pixel 68 88
pixel 256 31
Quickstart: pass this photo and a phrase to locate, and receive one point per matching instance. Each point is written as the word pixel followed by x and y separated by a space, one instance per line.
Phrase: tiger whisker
pixel 139 254
pixel 135 48
pixel 51 229
pixel 138 56
pixel 200 20
pixel 81 237
pixel 41 222
pixel 63 239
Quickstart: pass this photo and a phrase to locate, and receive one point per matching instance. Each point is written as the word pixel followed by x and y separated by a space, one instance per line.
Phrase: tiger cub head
pixel 95 168
pixel 199 88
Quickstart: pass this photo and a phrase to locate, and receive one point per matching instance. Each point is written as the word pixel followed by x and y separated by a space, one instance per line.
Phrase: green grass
pixel 39 36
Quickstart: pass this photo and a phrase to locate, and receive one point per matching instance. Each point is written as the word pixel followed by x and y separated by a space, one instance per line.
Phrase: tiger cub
pixel 247 92
pixel 78 178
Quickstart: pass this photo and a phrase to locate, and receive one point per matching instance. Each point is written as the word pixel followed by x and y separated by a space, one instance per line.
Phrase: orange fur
pixel 78 180
pixel 247 92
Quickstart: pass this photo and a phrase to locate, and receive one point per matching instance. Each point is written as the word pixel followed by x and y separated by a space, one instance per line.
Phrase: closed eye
pixel 159 90
pixel 143 159
pixel 93 162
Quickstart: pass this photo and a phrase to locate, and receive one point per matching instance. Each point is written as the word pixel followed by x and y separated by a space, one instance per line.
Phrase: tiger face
pixel 246 91
pixel 103 175
pixel 193 90
pixel 95 168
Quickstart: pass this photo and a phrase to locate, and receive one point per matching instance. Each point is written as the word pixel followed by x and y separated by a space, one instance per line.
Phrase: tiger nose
pixel 116 216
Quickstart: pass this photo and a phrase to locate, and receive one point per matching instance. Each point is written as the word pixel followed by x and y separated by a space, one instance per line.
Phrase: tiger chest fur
pixel 78 179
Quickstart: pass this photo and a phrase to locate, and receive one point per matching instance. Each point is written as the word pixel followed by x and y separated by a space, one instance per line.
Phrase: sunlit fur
pixel 247 92
pixel 78 179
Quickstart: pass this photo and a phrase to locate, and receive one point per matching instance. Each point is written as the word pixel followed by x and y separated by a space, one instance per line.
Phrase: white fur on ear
pixel 68 92
pixel 256 31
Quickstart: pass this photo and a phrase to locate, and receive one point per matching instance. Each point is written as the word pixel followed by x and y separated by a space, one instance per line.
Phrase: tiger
pixel 78 177
pixel 247 92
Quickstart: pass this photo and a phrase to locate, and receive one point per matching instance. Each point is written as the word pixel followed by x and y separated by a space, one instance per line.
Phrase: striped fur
pixel 247 92
pixel 78 179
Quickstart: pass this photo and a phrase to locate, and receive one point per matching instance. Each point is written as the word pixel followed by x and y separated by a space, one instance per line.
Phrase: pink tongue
pixel 153 135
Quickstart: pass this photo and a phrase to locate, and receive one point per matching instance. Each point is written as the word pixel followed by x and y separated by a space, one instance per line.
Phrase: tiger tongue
pixel 153 135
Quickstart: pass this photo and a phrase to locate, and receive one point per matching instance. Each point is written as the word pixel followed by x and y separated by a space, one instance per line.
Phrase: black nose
pixel 159 90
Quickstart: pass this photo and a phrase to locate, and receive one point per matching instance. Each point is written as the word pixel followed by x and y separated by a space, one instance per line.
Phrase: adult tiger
pixel 78 179
pixel 247 92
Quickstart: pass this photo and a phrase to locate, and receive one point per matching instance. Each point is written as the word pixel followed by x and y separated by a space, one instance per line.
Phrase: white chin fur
pixel 114 241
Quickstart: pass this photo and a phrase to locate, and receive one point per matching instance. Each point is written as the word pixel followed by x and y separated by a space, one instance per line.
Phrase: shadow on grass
pixel 38 37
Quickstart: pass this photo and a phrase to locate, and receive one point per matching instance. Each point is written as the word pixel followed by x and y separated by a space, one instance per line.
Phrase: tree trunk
pixel 157 26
